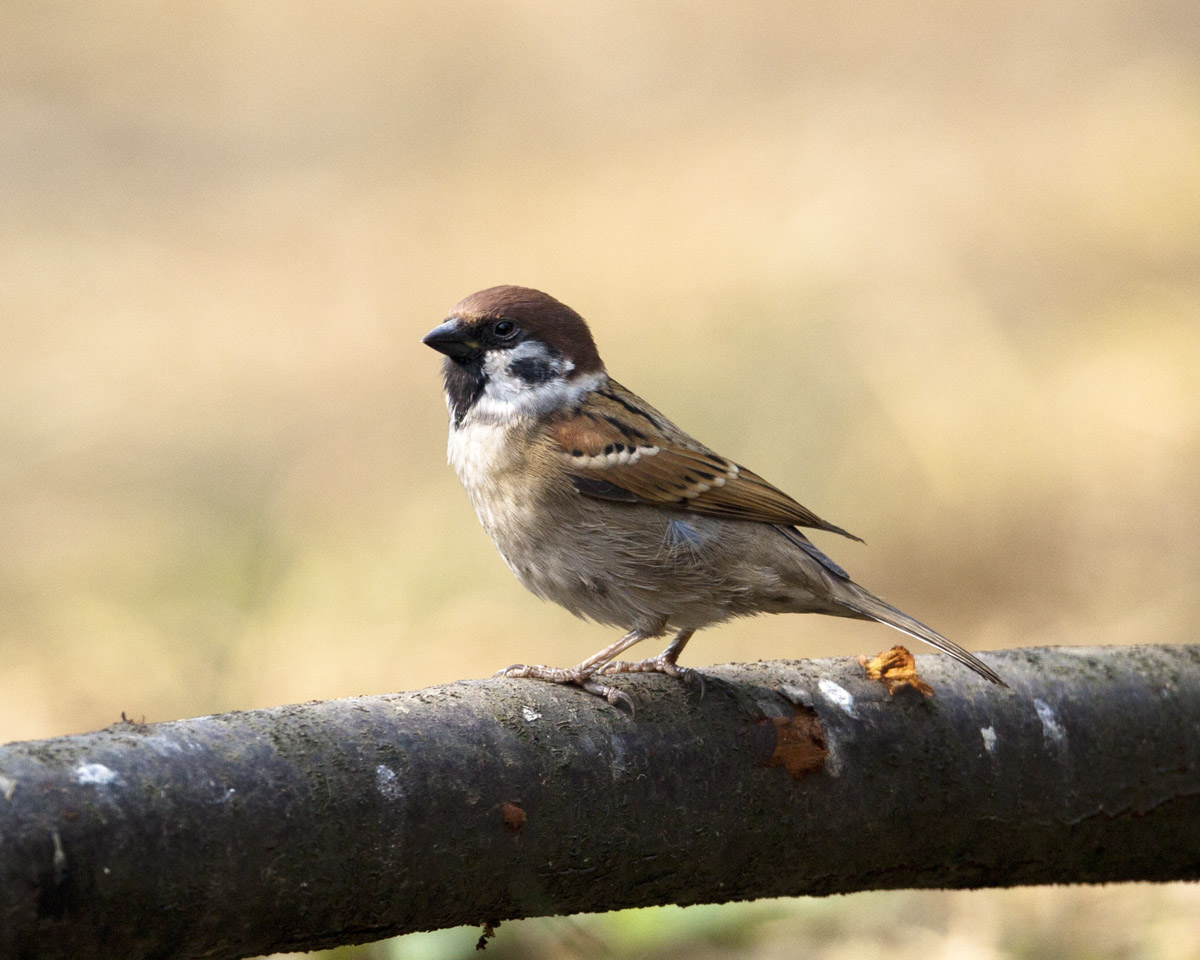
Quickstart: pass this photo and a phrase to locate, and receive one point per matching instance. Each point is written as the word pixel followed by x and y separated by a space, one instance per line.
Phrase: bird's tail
pixel 870 607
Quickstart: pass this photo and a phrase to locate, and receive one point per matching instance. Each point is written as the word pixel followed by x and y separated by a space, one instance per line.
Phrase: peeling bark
pixel 317 824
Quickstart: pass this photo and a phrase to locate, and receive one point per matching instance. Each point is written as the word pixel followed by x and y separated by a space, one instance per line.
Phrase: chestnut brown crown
pixel 539 316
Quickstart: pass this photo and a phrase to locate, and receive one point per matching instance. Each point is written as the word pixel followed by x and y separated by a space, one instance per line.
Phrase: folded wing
pixel 617 448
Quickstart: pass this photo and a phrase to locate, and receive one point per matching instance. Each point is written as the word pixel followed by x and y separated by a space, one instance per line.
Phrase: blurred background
pixel 932 268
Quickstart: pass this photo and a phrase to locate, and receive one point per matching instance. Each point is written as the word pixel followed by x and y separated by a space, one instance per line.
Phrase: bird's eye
pixel 504 329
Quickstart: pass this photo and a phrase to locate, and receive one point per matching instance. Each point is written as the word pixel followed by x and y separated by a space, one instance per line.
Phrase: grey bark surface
pixel 335 822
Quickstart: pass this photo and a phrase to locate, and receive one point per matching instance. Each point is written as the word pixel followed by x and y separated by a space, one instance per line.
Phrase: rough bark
pixel 324 823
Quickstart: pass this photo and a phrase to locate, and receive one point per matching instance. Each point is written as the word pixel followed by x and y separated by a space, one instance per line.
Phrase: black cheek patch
pixel 533 369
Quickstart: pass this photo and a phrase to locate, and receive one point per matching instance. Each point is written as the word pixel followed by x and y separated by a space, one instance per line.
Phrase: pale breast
pixel 485 457
pixel 477 450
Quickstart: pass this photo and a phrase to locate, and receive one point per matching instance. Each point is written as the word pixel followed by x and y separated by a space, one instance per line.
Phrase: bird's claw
pixel 568 675
pixel 659 664
pixel 612 694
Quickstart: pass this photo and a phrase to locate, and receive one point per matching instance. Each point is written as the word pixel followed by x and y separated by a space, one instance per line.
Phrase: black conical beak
pixel 451 339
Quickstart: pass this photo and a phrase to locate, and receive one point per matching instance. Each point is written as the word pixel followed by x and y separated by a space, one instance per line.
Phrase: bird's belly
pixel 649 575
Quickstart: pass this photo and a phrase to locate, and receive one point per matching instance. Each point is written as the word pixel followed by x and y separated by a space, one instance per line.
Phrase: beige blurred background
pixel 933 269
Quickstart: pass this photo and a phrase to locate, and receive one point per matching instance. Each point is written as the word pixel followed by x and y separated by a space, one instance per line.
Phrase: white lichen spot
pixel 530 714
pixel 95 773
pixel 989 738
pixel 388 783
pixel 1052 730
pixel 838 695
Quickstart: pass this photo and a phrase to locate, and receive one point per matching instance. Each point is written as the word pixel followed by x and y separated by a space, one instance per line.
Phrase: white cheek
pixel 506 389
pixel 506 397
pixel 498 383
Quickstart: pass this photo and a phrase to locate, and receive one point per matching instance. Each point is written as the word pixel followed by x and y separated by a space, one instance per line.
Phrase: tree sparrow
pixel 600 503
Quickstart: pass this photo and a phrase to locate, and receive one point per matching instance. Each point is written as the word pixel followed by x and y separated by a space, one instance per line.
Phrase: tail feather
pixel 871 607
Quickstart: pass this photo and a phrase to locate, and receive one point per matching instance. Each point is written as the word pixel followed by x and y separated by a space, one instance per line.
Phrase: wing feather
pixel 615 447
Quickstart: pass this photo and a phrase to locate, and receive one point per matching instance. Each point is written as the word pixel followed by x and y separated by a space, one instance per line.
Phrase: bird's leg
pixel 665 662
pixel 581 674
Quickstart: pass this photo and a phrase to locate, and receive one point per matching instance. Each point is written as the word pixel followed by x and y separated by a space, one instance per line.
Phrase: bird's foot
pixel 568 675
pixel 663 663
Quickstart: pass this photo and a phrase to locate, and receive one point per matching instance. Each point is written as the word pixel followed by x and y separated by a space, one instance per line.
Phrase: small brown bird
pixel 600 503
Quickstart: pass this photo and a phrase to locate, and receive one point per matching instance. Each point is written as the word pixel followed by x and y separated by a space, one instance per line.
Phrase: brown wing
pixel 618 448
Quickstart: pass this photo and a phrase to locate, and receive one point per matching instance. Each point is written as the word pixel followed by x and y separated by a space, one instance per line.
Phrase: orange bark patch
pixel 513 815
pixel 799 742
pixel 895 668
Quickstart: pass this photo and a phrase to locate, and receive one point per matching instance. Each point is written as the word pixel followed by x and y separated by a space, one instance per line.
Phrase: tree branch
pixel 317 824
